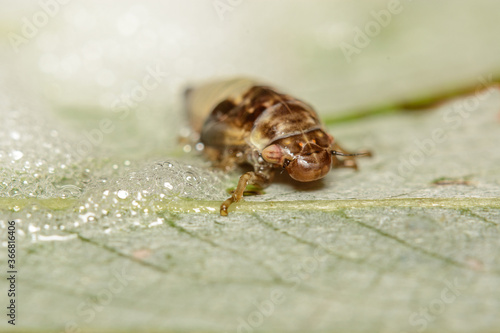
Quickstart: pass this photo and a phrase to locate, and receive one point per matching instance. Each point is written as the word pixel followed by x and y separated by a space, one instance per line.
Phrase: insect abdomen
pixel 201 101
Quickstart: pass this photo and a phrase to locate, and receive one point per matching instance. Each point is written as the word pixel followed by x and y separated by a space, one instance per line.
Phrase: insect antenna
pixel 334 152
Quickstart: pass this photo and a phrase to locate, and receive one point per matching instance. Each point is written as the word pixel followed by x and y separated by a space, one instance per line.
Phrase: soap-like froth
pixel 38 156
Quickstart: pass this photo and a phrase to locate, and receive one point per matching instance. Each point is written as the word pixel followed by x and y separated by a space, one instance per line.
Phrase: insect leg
pixel 249 178
pixel 238 193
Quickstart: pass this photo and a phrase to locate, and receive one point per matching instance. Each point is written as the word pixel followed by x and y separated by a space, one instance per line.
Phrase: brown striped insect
pixel 241 122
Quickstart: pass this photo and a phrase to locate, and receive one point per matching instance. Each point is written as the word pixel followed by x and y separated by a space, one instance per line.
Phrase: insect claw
pixel 225 205
pixel 223 209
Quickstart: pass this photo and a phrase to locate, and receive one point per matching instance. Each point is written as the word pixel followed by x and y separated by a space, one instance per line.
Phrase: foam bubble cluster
pixel 36 156
pixel 146 190
pixel 40 165
pixel 120 195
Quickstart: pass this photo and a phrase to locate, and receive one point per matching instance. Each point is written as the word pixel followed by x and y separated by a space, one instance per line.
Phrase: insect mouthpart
pixel 286 162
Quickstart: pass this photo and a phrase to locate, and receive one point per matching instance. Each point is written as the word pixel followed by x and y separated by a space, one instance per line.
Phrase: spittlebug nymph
pixel 241 122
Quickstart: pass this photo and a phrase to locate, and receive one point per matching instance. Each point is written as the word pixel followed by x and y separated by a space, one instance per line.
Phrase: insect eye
pixel 286 162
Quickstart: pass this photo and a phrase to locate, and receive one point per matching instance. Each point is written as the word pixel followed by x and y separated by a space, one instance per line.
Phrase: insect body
pixel 241 122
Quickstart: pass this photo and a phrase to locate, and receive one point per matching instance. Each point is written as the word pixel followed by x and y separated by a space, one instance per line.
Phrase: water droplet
pixel 17 155
pixel 15 135
pixel 191 177
pixel 200 146
pixel 32 228
pixel 122 194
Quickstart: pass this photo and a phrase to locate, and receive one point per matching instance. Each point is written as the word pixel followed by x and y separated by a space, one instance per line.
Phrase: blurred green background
pixel 87 55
